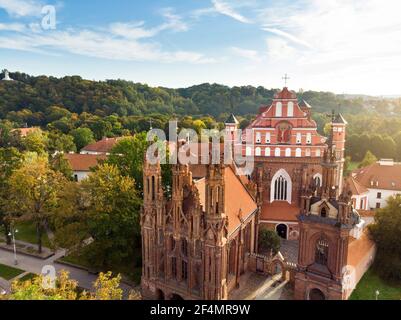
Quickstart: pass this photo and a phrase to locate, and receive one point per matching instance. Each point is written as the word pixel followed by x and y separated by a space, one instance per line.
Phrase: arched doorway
pixel 316 294
pixel 282 230
pixel 176 297
pixel 160 295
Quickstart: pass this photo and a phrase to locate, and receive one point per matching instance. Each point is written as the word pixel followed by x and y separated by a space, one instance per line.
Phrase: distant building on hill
pixel 381 180
pixel 81 164
pixel 6 76
pixel 25 131
pixel 103 146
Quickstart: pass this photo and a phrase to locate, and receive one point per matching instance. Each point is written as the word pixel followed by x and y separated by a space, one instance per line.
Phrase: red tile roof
pixel 237 199
pixel 280 211
pixel 386 177
pixel 103 146
pixel 356 187
pixel 359 248
pixel 83 162
pixel 24 131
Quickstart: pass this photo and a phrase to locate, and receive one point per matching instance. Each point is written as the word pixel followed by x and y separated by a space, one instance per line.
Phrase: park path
pixel 35 265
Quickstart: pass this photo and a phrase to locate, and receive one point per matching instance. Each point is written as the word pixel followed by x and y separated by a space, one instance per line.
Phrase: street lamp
pixel 377 294
pixel 12 233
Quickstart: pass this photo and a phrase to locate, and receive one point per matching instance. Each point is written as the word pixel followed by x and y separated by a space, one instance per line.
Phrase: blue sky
pixel 337 45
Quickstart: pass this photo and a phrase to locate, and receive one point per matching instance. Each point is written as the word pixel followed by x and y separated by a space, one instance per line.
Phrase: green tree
pixel 269 240
pixel 128 154
pixel 113 215
pixel 36 141
pixel 368 160
pixel 35 191
pixel 60 164
pixel 10 160
pixel 386 232
pixel 106 287
pixel 60 142
pixel 82 137
pixel 397 140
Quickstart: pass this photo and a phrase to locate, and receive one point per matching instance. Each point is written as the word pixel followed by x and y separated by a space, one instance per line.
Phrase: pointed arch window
pixel 281 187
pixel 322 252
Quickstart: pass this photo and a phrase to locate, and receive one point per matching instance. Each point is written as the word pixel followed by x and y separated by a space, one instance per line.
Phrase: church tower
pixel 152 221
pixel 325 223
pixel 216 224
pixel 339 125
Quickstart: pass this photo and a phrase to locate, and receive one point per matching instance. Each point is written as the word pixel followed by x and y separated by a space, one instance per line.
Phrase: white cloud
pixel 21 8
pixel 136 30
pixel 252 55
pixel 16 27
pixel 288 36
pixel 100 45
pixel 223 8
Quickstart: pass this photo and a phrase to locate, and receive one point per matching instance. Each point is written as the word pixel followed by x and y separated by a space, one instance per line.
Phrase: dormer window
pixel 323 212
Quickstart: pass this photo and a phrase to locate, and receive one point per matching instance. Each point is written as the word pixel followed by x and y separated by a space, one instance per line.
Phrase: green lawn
pixel 27 232
pixel 9 273
pixel 371 282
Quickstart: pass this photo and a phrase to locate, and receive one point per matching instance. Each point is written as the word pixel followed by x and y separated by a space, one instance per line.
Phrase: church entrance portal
pixel 316 294
pixel 282 231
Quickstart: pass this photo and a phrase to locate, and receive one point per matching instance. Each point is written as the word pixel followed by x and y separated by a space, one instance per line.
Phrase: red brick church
pixel 202 241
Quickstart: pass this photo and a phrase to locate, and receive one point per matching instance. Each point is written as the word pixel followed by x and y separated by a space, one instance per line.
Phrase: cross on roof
pixel 286 78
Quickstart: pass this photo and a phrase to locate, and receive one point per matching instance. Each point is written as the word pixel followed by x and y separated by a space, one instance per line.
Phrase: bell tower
pixel 325 223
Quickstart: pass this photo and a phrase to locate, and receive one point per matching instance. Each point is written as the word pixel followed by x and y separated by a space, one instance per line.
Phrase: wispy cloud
pixel 137 30
pixel 100 45
pixel 16 27
pixel 287 36
pixel 223 8
pixel 252 55
pixel 21 8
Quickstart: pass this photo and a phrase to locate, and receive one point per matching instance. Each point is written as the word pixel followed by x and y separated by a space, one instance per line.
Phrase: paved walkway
pixel 35 265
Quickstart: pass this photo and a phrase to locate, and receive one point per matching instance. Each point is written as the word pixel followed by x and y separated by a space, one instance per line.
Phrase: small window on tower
pixel 323 212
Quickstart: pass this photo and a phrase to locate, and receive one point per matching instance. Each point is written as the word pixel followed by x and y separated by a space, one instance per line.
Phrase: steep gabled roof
pixel 356 187
pixel 379 176
pixel 238 202
pixel 83 162
pixel 103 146
pixel 340 119
pixel 231 120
